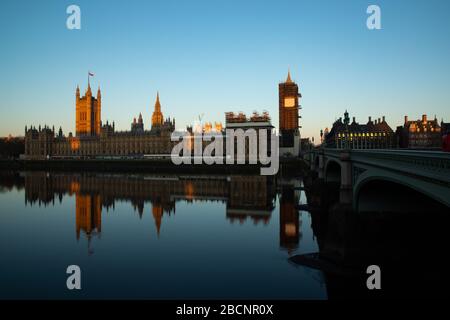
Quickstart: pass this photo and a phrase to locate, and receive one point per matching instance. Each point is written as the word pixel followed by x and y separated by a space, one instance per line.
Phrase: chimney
pixel 375 121
pixel 384 119
pixel 370 119
pixel 354 120
pixel 406 119
pixel 424 118
pixel 379 120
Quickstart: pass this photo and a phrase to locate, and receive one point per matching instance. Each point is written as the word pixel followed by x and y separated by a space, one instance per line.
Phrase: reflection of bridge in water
pixel 247 197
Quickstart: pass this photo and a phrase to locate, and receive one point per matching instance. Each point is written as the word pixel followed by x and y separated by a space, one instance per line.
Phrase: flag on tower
pixel 91 74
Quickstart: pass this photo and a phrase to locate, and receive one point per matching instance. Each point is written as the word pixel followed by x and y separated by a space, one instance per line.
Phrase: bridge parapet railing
pixel 433 164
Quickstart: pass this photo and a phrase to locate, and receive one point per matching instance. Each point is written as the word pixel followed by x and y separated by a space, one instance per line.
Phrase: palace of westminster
pixel 94 139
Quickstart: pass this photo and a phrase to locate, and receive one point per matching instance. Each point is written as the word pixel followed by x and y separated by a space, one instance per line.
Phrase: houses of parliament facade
pixel 93 138
pixel 100 140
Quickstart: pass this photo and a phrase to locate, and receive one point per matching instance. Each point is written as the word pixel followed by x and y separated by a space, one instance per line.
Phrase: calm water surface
pixel 146 236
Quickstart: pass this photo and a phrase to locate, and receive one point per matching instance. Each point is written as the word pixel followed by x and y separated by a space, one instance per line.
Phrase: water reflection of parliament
pixel 246 197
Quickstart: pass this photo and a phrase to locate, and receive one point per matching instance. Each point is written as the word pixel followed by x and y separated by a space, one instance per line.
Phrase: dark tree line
pixel 11 147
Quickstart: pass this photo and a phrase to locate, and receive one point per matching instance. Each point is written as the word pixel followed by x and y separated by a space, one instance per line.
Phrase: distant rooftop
pixel 231 117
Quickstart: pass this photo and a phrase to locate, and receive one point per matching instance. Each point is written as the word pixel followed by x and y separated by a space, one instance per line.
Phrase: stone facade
pixel 88 113
pixel 420 134
pixel 93 139
pixel 372 135
pixel 288 110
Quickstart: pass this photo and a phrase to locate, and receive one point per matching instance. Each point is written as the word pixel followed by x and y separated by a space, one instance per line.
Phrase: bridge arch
pixel 399 194
pixel 333 171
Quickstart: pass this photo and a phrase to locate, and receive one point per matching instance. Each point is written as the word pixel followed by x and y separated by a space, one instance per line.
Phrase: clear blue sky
pixel 220 55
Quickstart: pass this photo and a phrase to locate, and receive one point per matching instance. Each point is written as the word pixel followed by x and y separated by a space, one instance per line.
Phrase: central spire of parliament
pixel 157 117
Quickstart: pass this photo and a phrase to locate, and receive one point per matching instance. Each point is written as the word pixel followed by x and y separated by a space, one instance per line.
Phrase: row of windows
pixel 413 129
pixel 371 134
pixel 118 151
pixel 420 135
pixel 83 116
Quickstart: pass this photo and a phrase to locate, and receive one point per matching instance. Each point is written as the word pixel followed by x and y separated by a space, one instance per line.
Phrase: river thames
pixel 155 236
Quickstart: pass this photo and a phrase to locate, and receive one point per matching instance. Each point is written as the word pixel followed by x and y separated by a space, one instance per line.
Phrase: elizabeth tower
pixel 288 114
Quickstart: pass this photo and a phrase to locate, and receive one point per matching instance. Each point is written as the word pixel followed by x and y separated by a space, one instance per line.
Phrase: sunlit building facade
pixel 420 134
pixel 288 111
pixel 94 139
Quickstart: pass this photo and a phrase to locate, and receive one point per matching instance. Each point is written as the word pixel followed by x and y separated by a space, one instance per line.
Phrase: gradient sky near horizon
pixel 209 57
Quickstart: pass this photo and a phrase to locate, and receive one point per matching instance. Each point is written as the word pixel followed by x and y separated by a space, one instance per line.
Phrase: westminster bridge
pixel 396 177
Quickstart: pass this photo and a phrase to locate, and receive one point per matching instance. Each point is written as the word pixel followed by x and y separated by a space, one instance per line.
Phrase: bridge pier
pixel 346 195
pixel 312 162
pixel 312 165
pixel 346 188
pixel 321 166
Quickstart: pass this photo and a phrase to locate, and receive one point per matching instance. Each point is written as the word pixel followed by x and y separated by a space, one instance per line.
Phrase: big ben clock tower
pixel 288 114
